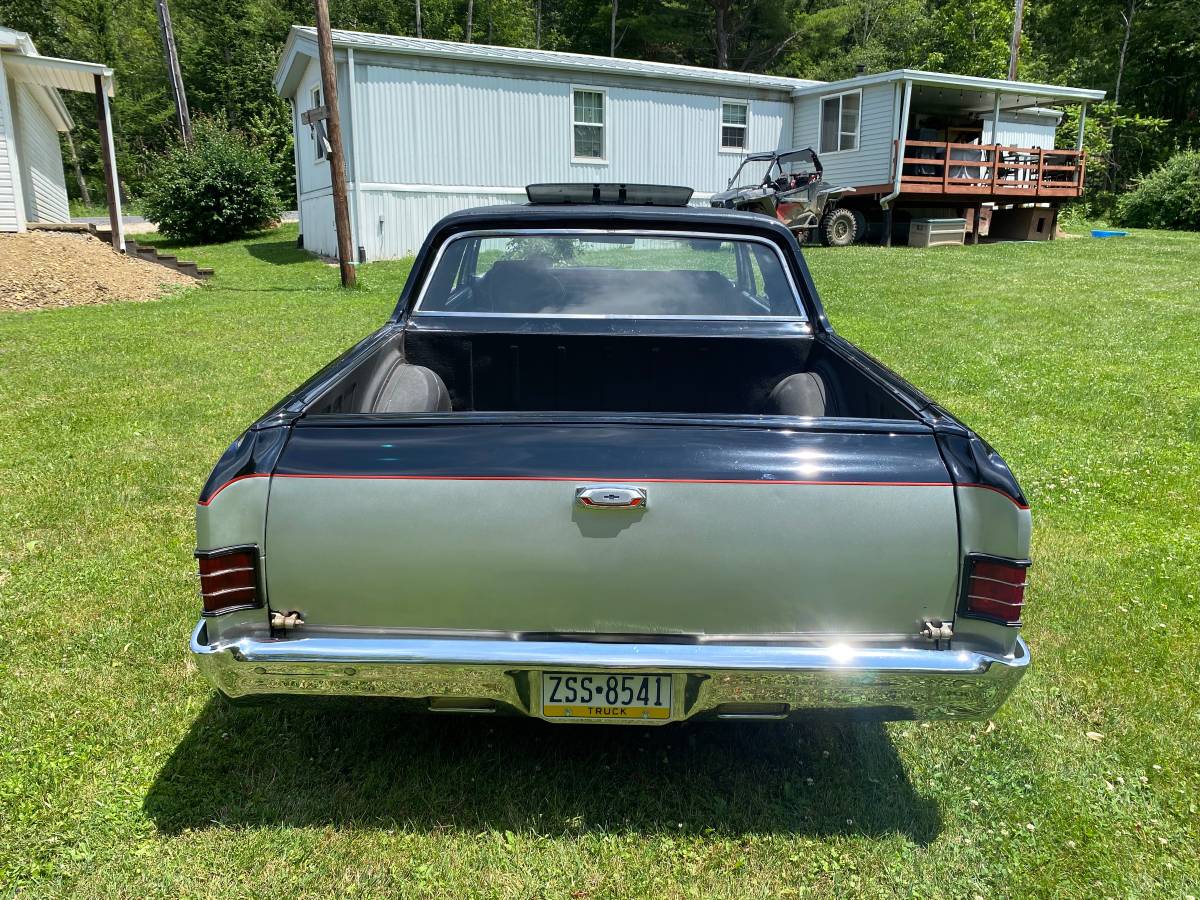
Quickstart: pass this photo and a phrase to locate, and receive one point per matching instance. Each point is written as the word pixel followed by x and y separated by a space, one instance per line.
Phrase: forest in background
pixel 1145 53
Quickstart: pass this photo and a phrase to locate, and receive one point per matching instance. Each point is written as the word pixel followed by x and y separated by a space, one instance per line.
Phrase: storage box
pixel 936 232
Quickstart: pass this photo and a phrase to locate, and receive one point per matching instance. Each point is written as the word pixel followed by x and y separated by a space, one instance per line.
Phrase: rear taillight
pixel 994 589
pixel 228 579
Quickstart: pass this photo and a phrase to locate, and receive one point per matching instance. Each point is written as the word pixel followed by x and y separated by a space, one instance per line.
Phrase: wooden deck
pixel 991 172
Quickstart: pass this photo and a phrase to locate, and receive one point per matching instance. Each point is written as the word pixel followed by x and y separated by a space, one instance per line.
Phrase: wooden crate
pixel 1023 224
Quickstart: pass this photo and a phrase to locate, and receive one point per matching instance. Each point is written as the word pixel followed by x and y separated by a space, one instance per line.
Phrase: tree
pixel 973 37
pixel 1145 52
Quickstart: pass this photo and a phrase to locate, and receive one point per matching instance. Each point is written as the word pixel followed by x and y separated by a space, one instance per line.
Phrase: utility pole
pixel 470 18
pixel 1014 46
pixel 337 170
pixel 612 31
pixel 537 7
pixel 419 19
pixel 174 75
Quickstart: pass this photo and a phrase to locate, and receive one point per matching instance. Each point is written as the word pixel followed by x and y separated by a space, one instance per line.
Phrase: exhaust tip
pixel 752 711
pixel 462 704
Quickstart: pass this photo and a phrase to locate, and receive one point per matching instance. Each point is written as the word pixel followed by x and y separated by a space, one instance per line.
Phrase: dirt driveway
pixel 46 270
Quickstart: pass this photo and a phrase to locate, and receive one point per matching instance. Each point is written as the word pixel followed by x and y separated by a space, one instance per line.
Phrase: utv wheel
pixel 841 228
pixel 860 222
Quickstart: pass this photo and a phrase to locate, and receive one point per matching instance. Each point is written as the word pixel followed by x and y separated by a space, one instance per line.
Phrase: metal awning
pixel 64 74
pixel 969 91
pixel 940 97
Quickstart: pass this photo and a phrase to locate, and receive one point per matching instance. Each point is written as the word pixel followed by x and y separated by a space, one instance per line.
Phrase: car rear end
pixel 651 573
pixel 819 540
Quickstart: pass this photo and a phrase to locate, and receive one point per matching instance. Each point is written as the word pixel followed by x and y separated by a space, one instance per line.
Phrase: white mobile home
pixel 433 126
pixel 33 188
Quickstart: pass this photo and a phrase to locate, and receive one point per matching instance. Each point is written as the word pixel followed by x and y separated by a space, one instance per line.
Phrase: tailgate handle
pixel 611 496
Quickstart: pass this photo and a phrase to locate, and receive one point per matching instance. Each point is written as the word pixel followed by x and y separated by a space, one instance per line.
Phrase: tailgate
pixel 745 531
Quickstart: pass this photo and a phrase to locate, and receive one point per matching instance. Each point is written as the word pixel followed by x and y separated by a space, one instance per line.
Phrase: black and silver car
pixel 609 461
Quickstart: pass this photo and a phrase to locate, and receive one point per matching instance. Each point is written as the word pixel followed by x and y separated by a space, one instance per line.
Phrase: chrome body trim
pixel 877 682
pixel 610 496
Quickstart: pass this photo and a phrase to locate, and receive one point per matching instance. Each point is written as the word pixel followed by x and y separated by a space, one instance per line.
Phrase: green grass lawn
pixel 121 774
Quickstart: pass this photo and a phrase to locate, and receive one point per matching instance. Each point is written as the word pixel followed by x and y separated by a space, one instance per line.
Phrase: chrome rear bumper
pixel 718 680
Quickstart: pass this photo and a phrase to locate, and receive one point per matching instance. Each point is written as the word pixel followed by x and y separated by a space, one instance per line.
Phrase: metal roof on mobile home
pixel 518 56
pixel 1019 92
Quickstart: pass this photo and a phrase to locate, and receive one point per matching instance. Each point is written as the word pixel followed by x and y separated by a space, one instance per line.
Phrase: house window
pixel 587 124
pixel 316 131
pixel 734 116
pixel 840 120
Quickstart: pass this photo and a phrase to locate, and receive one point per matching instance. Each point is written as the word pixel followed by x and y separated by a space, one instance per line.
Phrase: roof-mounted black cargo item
pixel 627 194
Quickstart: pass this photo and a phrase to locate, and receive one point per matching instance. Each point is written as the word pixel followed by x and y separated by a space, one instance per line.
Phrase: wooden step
pixel 151 254
pixel 167 260
pixel 72 227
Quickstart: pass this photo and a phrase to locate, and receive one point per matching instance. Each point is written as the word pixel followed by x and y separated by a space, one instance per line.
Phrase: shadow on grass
pixel 369 764
pixel 278 253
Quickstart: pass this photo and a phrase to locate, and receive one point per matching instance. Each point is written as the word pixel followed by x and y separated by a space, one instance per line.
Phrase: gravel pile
pixel 46 270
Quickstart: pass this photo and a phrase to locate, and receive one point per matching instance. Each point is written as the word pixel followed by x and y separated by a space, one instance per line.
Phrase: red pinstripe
pixel 986 487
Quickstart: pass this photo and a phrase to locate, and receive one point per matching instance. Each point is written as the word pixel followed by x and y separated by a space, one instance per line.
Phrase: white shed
pixel 33 187
pixel 434 126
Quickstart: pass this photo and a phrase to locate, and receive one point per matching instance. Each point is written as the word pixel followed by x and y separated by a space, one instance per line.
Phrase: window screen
pixel 840 122
pixel 587 124
pixel 734 118
pixel 317 131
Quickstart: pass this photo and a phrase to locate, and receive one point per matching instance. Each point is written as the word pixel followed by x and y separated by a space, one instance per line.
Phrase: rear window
pixel 609 275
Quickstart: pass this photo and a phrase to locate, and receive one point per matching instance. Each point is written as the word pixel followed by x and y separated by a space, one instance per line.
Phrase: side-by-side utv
pixel 792 190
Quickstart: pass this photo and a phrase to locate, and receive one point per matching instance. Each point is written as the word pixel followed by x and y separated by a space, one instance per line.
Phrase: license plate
pixel 605 695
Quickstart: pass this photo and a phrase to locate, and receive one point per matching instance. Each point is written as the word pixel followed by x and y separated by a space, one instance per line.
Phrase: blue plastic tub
pixel 1100 232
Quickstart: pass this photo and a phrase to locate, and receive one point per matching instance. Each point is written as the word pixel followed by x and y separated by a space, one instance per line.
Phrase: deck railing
pixel 945 167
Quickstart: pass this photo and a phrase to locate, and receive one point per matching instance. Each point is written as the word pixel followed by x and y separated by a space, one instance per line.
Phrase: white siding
pixel 432 142
pixel 871 163
pixel 43 183
pixel 1017 130
pixel 431 128
pixel 10 220
pixel 316 223
pixel 395 223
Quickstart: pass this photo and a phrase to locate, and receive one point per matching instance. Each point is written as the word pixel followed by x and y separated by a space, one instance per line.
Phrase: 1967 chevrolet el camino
pixel 608 461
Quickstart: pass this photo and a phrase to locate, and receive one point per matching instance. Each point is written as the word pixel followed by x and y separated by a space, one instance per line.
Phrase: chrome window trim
pixel 636 232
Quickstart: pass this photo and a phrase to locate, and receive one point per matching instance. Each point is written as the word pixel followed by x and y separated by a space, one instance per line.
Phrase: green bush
pixel 1169 197
pixel 220 188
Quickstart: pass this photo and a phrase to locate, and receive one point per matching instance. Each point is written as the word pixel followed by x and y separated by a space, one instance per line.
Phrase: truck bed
pixel 490 372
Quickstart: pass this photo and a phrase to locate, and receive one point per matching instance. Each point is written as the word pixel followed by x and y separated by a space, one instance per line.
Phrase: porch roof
pixel 965 91
pixel 64 74
pixel 23 64
pixel 20 61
